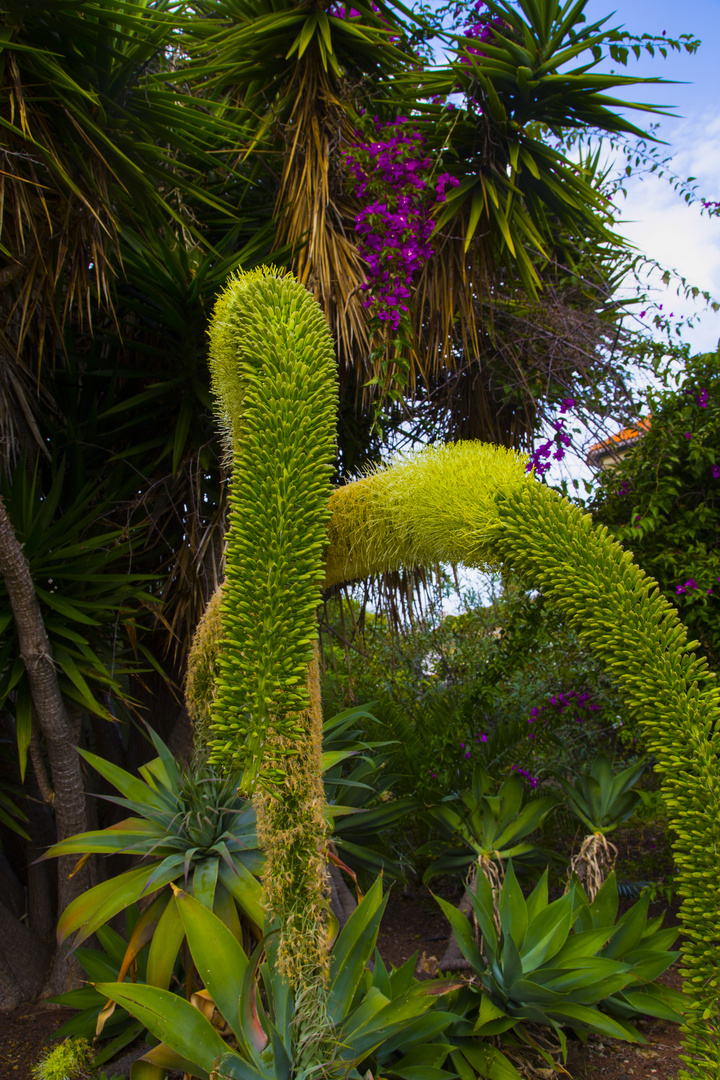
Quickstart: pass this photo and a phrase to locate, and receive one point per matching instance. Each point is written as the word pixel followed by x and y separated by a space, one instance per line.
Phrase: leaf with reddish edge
pixel 254 1035
pixel 220 960
pixel 96 906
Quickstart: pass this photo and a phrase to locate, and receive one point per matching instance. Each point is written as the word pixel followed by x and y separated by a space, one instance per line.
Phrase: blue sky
pixel 657 220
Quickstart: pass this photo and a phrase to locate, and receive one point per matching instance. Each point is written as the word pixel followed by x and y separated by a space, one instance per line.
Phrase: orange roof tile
pixel 624 437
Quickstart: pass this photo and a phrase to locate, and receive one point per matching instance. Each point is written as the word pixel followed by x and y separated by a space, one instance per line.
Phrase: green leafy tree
pixel 662 499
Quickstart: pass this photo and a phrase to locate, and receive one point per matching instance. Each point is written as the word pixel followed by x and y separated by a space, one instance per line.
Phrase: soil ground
pixel 414 924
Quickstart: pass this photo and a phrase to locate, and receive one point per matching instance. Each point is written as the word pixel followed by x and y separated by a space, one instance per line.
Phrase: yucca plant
pixel 602 800
pixel 78 560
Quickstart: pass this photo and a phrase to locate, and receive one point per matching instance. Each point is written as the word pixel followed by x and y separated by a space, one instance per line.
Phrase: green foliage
pixel 273 375
pixel 526 193
pixel 194 827
pixel 662 499
pixel 565 964
pixel 487 824
pixel 189 827
pixel 637 635
pixel 117 1028
pixel 72 1060
pixel 378 1017
pixel 358 794
pixel 473 687
pixel 89 601
pixel 601 799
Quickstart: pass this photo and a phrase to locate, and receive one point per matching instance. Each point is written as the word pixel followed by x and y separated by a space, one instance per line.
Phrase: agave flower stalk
pixel 468 503
pixel 274 378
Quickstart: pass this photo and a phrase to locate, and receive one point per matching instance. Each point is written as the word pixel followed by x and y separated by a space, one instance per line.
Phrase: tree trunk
pixel 55 723
pixel 23 961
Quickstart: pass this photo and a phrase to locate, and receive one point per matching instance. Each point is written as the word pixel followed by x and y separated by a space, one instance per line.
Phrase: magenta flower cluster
pixel 392 173
pixel 532 780
pixel 539 459
pixel 559 703
pixel 480 737
pixel 479 25
pixel 692 586
pixel 345 12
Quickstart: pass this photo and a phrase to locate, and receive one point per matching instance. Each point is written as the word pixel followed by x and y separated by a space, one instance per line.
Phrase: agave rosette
pixel 563 964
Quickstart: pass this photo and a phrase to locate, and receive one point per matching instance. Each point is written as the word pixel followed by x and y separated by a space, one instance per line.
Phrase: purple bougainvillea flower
pixel 688 434
pixel 716 471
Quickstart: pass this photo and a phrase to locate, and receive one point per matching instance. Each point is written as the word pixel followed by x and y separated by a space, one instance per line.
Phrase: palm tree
pixel 525 223
pixel 103 147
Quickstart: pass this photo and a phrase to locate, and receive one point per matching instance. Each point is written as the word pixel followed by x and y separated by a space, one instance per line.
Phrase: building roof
pixel 617 443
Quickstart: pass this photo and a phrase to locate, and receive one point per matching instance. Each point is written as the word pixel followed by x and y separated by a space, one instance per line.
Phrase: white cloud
pixel 664 227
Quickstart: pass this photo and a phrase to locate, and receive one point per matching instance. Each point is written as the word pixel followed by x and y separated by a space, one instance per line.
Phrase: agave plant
pixel 601 800
pixel 488 828
pixel 240 1025
pixel 192 828
pixel 196 828
pixel 565 964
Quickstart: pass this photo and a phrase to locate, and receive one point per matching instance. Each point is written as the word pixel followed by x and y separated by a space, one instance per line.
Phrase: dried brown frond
pixel 56 219
pixel 592 864
pixel 316 216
